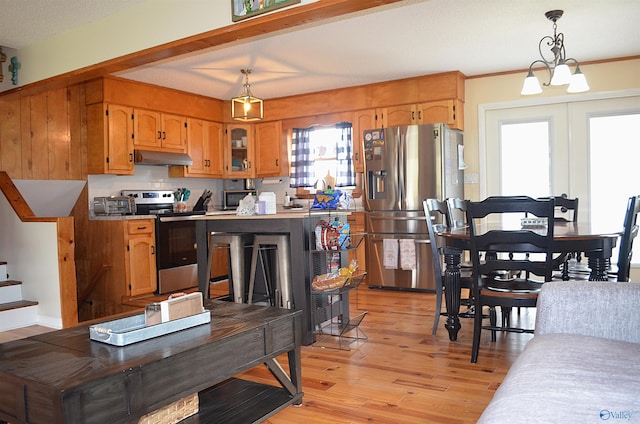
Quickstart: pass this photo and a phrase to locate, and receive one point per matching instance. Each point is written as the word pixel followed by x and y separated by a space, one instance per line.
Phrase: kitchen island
pixel 298 225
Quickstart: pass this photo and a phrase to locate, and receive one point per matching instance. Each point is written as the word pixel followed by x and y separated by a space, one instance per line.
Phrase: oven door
pixel 176 254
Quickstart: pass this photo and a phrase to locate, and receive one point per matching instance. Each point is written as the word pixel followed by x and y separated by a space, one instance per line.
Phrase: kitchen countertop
pixel 281 212
pixel 119 217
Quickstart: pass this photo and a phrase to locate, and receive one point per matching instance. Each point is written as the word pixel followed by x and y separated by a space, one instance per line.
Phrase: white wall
pixel 31 252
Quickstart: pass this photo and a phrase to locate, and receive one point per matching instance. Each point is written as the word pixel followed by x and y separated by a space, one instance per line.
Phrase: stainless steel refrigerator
pixel 403 166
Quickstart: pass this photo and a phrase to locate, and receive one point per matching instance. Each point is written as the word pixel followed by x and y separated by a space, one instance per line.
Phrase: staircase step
pixel 17 304
pixel 18 314
pixel 3 271
pixel 10 291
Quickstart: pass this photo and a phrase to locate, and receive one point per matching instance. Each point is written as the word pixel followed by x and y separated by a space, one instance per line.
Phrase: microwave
pixel 231 198
pixel 114 205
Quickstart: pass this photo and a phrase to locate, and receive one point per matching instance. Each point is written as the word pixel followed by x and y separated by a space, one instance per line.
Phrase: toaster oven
pixel 114 205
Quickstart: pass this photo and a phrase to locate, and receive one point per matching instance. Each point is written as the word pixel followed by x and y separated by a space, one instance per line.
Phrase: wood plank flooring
pixel 401 374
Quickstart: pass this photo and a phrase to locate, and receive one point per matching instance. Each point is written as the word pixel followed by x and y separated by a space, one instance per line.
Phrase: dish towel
pixel 407 254
pixel 390 250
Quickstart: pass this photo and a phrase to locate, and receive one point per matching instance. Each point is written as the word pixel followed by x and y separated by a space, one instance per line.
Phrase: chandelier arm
pixel 548 42
pixel 546 65
pixel 572 60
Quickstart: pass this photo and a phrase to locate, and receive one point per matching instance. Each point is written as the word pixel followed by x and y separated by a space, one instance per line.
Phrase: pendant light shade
pixel 246 107
pixel 531 85
pixel 578 82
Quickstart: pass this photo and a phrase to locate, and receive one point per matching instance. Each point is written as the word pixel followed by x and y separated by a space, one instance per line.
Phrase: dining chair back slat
pixel 630 232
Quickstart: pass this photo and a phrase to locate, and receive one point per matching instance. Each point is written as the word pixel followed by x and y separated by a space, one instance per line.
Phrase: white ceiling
pixel 411 38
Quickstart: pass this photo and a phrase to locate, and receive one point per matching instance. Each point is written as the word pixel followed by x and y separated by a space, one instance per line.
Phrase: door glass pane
pixel 525 164
pixel 614 148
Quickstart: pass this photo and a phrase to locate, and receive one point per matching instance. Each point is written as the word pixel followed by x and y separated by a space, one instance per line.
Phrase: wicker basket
pixel 173 413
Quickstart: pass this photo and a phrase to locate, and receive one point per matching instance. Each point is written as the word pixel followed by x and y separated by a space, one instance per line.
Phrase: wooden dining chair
pixel 435 212
pixel 526 252
pixel 456 212
pixel 456 218
pixel 565 209
pixel 625 252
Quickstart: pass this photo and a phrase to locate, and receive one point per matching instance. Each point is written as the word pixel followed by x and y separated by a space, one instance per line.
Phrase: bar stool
pixel 237 243
pixel 283 288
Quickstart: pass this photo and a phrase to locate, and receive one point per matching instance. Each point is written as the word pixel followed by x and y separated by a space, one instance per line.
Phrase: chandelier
pixel 556 63
pixel 246 107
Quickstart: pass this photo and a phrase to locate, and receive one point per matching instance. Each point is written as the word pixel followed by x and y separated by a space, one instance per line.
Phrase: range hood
pixel 150 157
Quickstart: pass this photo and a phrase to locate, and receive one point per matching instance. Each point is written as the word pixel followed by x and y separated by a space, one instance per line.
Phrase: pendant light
pixel 557 65
pixel 246 107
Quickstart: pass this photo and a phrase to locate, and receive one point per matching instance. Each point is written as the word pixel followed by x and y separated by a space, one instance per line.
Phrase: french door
pixel 587 149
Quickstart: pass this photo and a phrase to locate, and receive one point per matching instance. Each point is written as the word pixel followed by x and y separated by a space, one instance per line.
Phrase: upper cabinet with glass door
pixel 239 151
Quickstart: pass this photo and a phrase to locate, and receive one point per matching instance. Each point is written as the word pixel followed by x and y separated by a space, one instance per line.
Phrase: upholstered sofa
pixel 583 363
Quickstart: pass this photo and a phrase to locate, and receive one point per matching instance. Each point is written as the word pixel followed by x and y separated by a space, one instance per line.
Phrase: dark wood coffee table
pixel 64 377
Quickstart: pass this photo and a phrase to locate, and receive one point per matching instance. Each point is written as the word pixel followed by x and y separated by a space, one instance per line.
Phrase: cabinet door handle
pixel 420 115
pixel 277 162
pixel 142 228
pixel 159 135
pixel 413 116
pixel 164 135
pixel 130 157
pixel 357 155
pixel 153 250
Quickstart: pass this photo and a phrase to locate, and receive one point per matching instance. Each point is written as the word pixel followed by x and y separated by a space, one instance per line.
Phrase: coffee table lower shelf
pixel 237 401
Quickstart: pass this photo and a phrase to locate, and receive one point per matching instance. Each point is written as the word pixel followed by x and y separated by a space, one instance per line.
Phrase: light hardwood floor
pixel 401 374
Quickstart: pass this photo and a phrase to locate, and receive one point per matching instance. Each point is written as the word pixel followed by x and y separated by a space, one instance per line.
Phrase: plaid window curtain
pixel 301 160
pixel 345 175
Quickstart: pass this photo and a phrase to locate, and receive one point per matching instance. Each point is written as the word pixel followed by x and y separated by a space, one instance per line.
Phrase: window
pixel 525 151
pixel 318 151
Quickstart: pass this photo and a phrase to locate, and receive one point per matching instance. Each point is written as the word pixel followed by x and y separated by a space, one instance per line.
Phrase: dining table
pixel 595 240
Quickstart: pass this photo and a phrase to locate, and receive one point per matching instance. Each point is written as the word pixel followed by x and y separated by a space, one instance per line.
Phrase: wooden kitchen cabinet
pixel 122 263
pixel 140 258
pixel 362 120
pixel 445 111
pixel 205 146
pixel 268 149
pixel 254 151
pixel 239 151
pixel 160 131
pixel 109 139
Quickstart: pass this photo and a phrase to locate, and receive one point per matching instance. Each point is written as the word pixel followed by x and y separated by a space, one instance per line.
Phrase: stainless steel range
pixel 175 239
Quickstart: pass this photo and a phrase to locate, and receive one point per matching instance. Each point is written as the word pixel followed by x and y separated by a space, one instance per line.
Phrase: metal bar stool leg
pixel 236 243
pixel 282 286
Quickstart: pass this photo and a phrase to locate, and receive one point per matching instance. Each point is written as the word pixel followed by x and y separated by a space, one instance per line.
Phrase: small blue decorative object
pixel 326 200
pixel 13 68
